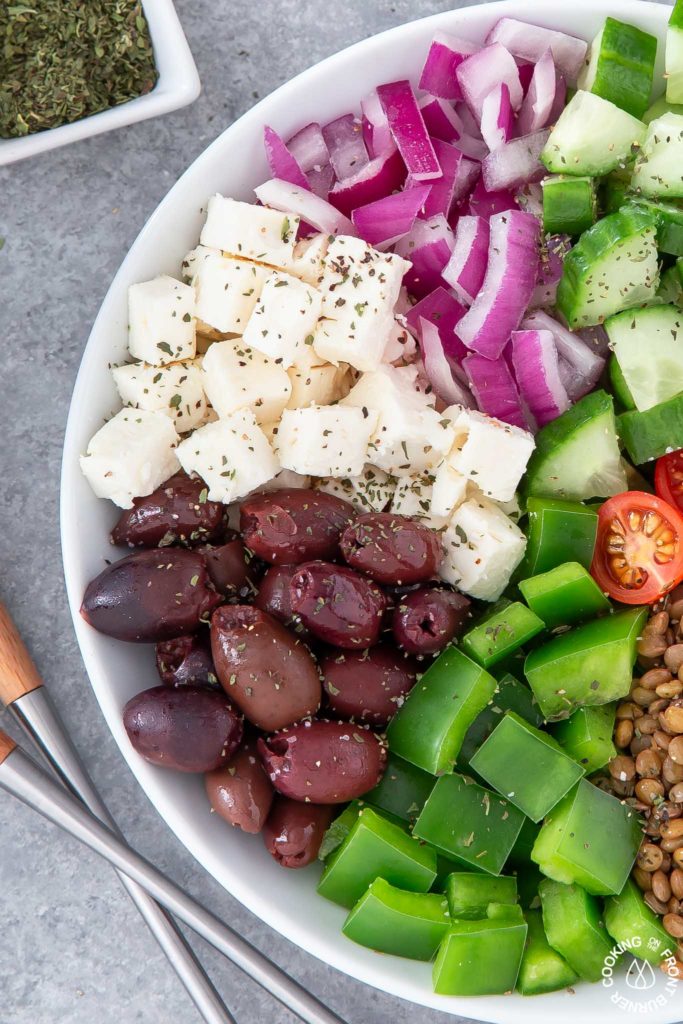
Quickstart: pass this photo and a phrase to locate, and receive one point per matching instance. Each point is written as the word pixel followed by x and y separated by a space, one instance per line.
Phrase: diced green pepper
pixel 391 920
pixel 339 829
pixel 528 878
pixel 647 435
pixel 429 729
pixel 376 848
pixel 590 838
pixel 564 596
pixel 559 532
pixel 510 695
pixel 520 854
pixel 469 824
pixel 469 894
pixel 481 957
pixel 587 736
pixel 569 204
pixel 543 969
pixel 402 790
pixel 501 633
pixel 571 918
pixel 592 664
pixel 628 918
pixel 526 766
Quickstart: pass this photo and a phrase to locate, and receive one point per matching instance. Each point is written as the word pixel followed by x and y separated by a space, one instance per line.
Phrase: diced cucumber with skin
pixel 618 384
pixel 661 106
pixel 673 60
pixel 569 204
pixel 648 345
pixel 669 220
pixel 628 917
pixel 621 66
pixel 657 170
pixel 613 266
pixel 614 190
pixel 592 136
pixel 587 736
pixel 577 455
pixel 542 969
pixel 670 291
pixel 647 435
pixel 572 924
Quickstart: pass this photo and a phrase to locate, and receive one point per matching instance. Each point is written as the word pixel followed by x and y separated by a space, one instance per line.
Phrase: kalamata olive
pixel 273 597
pixel 228 568
pixel 187 661
pixel 150 596
pixel 241 791
pixel 426 620
pixel 337 604
pixel 294 831
pixel 391 549
pixel 369 686
pixel 264 669
pixel 323 762
pixel 177 512
pixel 294 524
pixel 191 729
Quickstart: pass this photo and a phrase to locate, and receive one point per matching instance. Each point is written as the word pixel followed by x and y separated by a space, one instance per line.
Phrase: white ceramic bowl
pixel 233 164
pixel 177 86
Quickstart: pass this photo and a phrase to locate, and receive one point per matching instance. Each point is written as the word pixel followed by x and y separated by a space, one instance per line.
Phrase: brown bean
pixel 677 857
pixel 657 624
pixel 672 718
pixel 649 790
pixel 642 696
pixel 676 749
pixel 623 733
pixel 294 831
pixel 622 768
pixel 661 886
pixel 670 690
pixel 676 793
pixel 647 725
pixel 673 923
pixel 676 881
pixel 671 845
pixel 643 879
pixel 673 905
pixel 264 669
pixel 294 525
pixel 660 704
pixel 627 711
pixel 672 772
pixel 177 512
pixel 662 739
pixel 673 658
pixel 639 743
pixel 675 608
pixel 654 678
pixel 241 792
pixel 649 857
pixel 651 646
pixel 654 904
pixel 674 830
pixel 648 764
pixel 369 686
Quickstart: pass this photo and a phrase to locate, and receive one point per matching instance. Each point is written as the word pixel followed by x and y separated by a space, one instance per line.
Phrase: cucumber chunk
pixel 621 66
pixel 569 204
pixel 669 220
pixel 673 60
pixel 657 170
pixel 660 107
pixel 648 345
pixel 670 289
pixel 577 455
pixel 619 386
pixel 614 190
pixel 647 435
pixel 592 136
pixel 613 266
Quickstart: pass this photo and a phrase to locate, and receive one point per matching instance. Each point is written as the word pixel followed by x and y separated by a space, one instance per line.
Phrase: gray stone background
pixel 72 949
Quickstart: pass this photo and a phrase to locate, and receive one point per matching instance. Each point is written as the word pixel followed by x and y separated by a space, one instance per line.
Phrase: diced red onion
pixel 580 365
pixel 281 195
pixel 445 55
pixel 438 369
pixel 497 117
pixel 539 101
pixel 508 285
pixel 444 311
pixel 597 339
pixel 553 251
pixel 495 390
pixel 483 71
pixel 530 199
pixel 466 269
pixel 485 204
pixel 408 129
pixel 515 163
pixel 444 123
pixel 344 140
pixel 526 73
pixel 376 131
pixel 308 147
pixel 458 175
pixel 536 368
pixel 386 220
pixel 282 163
pixel 529 42
pixel 559 101
pixel 321 179
pixel 382 176
pixel 469 121
pixel 428 246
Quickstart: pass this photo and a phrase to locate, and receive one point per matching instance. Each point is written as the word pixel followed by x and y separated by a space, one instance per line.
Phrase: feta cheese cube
pixel 161 324
pixel 401 345
pixel 450 489
pixel 131 455
pixel 237 377
pixel 250 232
pixel 194 259
pixel 309 254
pixel 491 453
pixel 226 290
pixel 413 497
pixel 318 385
pixel 283 318
pixel 359 287
pixel 232 456
pixel 328 440
pixel 176 390
pixel 482 549
pixel 371 491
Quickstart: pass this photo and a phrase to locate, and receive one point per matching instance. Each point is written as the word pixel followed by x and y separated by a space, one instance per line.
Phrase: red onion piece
pixel 438 369
pixel 553 251
pixel 308 147
pixel 282 163
pixel 483 71
pixel 497 117
pixel 559 101
pixel 485 204
pixel 444 123
pixel 495 390
pixel 466 269
pixel 515 163
pixel 580 364
pixel 376 131
pixel 281 195
pixel 428 246
pixel 386 220
pixel 458 175
pixel 529 42
pixel 540 99
pixel 445 55
pixel 321 179
pixel 379 178
pixel 526 73
pixel 444 311
pixel 536 367
pixel 409 131
pixel 344 140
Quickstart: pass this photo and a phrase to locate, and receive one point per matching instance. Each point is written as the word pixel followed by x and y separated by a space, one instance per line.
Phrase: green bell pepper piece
pixel 501 633
pixel 339 829
pixel 520 854
pixel 590 838
pixel 528 880
pixel 629 919
pixel 402 790
pixel 526 766
pixel 558 532
pixel 469 824
pixel 469 894
pixel 587 736
pixel 592 664
pixel 543 969
pixel 391 920
pixel 376 848
pixel 510 695
pixel 481 957
pixel 429 729
pixel 571 918
pixel 564 596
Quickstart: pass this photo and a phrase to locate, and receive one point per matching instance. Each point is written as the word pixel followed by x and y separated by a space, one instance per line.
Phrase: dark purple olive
pixel 337 604
pixel 151 596
pixel 191 729
pixel 294 831
pixel 186 661
pixel 426 620
pixel 241 792
pixel 369 686
pixel 391 549
pixel 263 668
pixel 273 597
pixel 323 762
pixel 294 524
pixel 228 568
pixel 177 512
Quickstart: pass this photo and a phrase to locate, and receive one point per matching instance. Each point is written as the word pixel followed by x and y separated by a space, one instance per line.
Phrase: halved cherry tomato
pixel 639 548
pixel 669 478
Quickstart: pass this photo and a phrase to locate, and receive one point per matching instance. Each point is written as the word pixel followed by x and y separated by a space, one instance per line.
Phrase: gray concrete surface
pixel 72 950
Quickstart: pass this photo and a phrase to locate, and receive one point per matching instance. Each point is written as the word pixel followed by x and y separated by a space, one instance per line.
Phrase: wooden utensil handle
pixel 7 745
pixel 18 674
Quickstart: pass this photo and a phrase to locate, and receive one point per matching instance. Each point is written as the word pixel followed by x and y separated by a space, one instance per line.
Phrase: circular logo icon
pixel 648 984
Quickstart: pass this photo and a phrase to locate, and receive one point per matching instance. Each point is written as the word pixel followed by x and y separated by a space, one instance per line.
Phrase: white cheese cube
pixel 237 377
pixel 491 453
pixel 329 440
pixel 250 232
pixel 161 324
pixel 227 290
pixel 401 345
pixel 309 254
pixel 371 491
pixel 194 259
pixel 284 317
pixel 131 455
pixel 318 385
pixel 413 497
pixel 176 390
pixel 232 456
pixel 482 549
pixel 449 491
